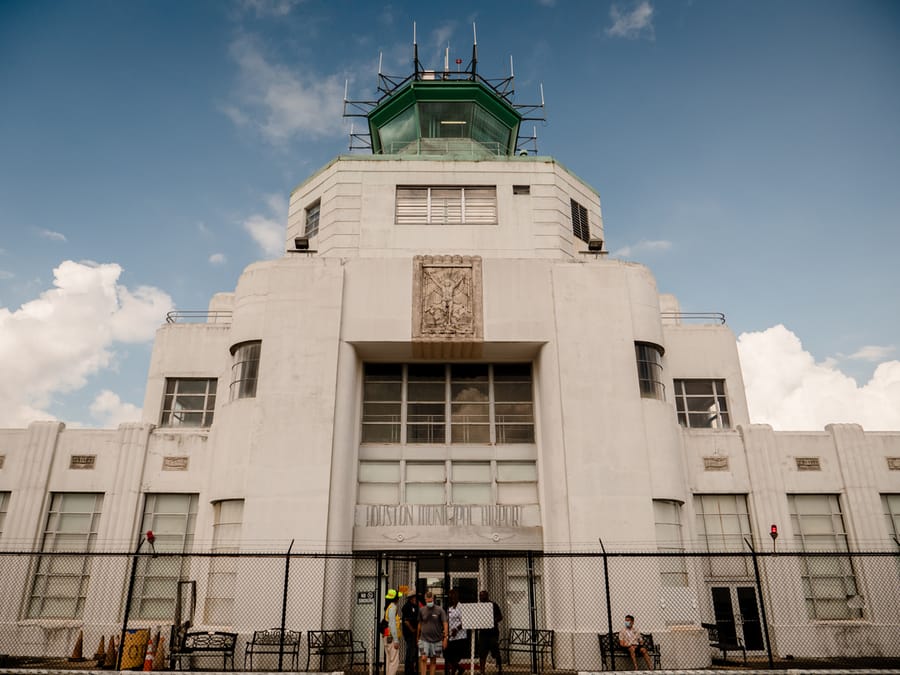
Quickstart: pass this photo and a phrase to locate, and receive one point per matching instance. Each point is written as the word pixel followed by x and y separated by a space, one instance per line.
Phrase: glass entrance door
pixel 744 622
pixel 439 575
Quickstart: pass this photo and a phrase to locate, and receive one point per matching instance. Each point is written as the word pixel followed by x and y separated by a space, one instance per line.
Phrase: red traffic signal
pixel 773 532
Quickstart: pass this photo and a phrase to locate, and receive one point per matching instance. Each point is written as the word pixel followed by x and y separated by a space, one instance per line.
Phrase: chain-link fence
pixel 563 612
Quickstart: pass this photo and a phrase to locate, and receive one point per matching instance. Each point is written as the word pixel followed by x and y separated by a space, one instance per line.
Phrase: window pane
pixel 381 433
pixel 471 433
pixel 471 493
pixel 472 471
pixel 516 471
pixel 425 493
pixel 379 493
pixel 426 391
pixel 517 493
pixel 425 471
pixel 374 390
pixel 380 472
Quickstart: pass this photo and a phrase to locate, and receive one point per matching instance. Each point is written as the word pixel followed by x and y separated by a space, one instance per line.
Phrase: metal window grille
pixel 667 517
pixel 580 227
pixel 60 583
pixel 650 370
pixel 829 583
pixel 312 218
pixel 4 505
pixel 446 205
pixel 891 504
pixel 189 402
pixel 245 370
pixel 465 481
pixel 438 403
pixel 172 518
pixel 723 524
pixel 228 517
pixel 701 404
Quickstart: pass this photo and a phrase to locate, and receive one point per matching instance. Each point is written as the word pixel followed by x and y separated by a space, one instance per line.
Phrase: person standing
pixel 391 636
pixel 456 646
pixel 409 614
pixel 433 633
pixel 488 639
pixel 631 639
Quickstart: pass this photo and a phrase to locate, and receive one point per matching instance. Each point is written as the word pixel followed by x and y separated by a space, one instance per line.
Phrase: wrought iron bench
pixel 529 641
pixel 325 643
pixel 724 645
pixel 273 641
pixel 610 648
pixel 203 643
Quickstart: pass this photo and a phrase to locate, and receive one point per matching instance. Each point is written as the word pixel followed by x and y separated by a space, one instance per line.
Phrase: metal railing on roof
pixel 199 316
pixel 694 317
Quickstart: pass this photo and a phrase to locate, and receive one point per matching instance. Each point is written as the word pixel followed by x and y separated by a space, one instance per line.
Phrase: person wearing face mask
pixel 433 633
pixel 631 640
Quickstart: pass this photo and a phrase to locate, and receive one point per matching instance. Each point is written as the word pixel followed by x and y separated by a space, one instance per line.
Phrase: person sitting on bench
pixel 631 639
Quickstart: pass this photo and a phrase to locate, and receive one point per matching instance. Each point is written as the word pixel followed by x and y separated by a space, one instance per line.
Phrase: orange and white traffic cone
pixel 111 653
pixel 78 651
pixel 159 661
pixel 148 659
pixel 100 654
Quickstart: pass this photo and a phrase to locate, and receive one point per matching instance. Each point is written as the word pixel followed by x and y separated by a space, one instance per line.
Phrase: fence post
pixel 612 655
pixel 287 574
pixel 532 610
pixel 762 604
pixel 378 610
pixel 133 573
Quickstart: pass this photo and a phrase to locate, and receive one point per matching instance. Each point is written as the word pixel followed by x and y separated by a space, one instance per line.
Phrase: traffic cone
pixel 148 658
pixel 159 661
pixel 111 653
pixel 100 654
pixel 77 654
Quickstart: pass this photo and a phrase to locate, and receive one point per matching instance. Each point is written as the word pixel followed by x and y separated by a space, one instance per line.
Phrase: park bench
pixel 529 641
pixel 724 645
pixel 273 641
pixel 610 648
pixel 326 643
pixel 205 643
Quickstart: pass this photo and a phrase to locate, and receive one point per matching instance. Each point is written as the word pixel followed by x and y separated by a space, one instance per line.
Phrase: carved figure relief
pixel 447 301
pixel 447 297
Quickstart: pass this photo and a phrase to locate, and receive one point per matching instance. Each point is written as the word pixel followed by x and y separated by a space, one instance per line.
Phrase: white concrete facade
pixel 603 453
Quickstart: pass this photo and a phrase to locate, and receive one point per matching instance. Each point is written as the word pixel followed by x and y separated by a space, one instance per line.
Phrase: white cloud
pixel 217 259
pixel 632 24
pixel 52 236
pixel 6 274
pixel 643 246
pixel 872 353
pixel 268 229
pixel 111 411
pixel 54 343
pixel 283 102
pixel 789 390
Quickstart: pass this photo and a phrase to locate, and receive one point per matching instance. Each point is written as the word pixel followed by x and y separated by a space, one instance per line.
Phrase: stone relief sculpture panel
pixel 447 298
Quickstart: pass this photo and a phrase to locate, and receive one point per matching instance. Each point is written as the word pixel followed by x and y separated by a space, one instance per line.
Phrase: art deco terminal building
pixel 445 359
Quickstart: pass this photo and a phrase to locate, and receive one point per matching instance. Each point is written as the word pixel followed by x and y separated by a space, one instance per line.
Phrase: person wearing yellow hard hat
pixel 391 633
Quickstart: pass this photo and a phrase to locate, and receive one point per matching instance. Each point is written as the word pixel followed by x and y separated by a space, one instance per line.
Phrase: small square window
pixel 521 189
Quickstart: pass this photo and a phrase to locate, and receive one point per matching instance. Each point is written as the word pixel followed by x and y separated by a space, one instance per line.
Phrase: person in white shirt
pixel 456 647
pixel 631 639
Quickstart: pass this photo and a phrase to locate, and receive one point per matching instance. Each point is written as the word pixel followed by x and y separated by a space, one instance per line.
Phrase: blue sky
pixel 747 152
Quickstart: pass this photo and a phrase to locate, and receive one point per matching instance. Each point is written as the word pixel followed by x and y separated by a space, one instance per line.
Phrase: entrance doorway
pixel 439 575
pixel 736 611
